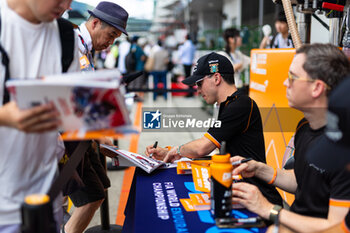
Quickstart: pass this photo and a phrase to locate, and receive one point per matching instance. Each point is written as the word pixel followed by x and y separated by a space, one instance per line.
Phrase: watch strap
pixel 178 150
pixel 274 213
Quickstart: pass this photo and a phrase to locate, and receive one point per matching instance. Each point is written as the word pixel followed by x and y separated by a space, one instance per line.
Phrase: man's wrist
pixel 259 169
pixel 274 213
pixel 274 176
pixel 178 150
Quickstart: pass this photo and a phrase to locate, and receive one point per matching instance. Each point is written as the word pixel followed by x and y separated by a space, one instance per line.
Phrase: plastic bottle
pixel 37 215
pixel 221 182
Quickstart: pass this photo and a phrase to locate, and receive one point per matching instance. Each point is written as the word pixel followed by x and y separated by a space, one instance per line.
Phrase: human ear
pixel 319 87
pixel 95 22
pixel 217 78
pixel 231 40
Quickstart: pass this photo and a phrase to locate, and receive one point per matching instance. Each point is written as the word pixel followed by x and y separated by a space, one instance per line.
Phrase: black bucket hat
pixel 112 14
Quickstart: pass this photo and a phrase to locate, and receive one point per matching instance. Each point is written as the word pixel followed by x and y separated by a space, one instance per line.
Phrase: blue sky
pixel 135 8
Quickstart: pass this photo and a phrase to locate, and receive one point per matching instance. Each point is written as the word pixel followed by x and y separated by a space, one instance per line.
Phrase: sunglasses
pixel 199 82
pixel 292 77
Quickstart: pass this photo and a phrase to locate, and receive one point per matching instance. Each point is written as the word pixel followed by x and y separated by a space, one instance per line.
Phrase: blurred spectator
pixel 124 49
pixel 159 71
pixel 147 48
pixel 282 39
pixel 142 42
pixel 239 61
pixel 154 48
pixel 30 144
pixel 106 23
pixel 115 52
pixel 140 59
pixel 186 54
pixel 111 60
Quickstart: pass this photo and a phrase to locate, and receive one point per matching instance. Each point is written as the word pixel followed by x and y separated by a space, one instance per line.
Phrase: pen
pixel 238 220
pixel 241 161
pixel 247 220
pixel 202 158
pixel 154 146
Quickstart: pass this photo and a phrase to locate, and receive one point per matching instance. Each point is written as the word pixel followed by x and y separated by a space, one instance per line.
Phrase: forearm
pixel 263 43
pixel 284 179
pixel 335 229
pixel 196 148
pixel 300 223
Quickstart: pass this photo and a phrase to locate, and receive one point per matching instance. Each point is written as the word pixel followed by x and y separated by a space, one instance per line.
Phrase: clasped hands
pixel 247 194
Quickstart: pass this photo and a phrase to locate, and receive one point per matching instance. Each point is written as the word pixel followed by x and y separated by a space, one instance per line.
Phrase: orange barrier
pixel 129 173
pixel 269 69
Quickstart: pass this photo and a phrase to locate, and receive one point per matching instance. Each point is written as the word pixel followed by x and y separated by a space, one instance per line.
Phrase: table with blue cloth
pixel 154 206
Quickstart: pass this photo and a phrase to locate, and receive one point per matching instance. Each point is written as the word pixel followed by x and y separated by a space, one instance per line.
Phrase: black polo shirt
pixel 317 188
pixel 346 223
pixel 241 128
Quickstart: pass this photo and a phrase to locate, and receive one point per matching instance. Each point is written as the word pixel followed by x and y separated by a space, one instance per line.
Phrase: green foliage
pixel 251 36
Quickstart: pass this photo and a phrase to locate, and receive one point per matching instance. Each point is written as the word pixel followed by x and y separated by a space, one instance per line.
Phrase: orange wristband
pixel 168 147
pixel 344 227
pixel 273 177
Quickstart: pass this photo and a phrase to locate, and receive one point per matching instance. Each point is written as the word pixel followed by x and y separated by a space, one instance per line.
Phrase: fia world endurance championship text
pixel 173 201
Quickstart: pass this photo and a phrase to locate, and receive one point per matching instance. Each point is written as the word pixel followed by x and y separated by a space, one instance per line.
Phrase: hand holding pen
pixel 153 151
pixel 241 161
pixel 243 166
pixel 154 146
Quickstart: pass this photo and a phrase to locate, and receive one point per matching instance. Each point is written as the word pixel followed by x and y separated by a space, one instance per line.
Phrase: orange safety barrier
pixel 268 70
pixel 129 173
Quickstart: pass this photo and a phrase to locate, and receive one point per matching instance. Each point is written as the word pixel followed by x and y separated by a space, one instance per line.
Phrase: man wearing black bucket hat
pixel 241 125
pixel 322 199
pixel 106 23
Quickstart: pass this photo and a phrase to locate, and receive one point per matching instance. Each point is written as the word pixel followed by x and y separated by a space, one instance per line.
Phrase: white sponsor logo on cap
pixel 195 67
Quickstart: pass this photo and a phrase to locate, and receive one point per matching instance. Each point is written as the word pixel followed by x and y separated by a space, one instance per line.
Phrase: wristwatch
pixel 274 213
pixel 178 150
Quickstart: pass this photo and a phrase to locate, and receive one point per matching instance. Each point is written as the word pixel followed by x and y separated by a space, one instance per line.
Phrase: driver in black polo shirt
pixel 241 125
pixel 322 198
pixel 332 152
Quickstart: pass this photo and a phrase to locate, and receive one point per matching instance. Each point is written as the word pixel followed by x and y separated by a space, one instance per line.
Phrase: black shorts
pixel 95 180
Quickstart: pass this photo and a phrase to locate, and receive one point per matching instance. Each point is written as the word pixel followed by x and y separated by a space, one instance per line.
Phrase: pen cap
pixel 221 158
